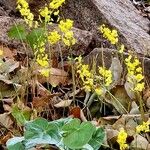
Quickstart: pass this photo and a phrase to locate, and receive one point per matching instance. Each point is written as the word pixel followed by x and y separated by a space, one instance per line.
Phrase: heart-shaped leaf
pixel 97 138
pixel 20 115
pixel 17 32
pixel 40 131
pixel 35 36
pixel 15 143
pixel 76 134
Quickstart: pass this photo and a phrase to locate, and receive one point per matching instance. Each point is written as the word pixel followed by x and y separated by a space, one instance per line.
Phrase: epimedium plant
pixel 69 134
pixel 99 84
pixel 65 134
pixel 37 34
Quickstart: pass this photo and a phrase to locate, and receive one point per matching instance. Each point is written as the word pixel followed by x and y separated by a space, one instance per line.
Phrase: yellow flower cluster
pixel 55 4
pixel 68 38
pixel 65 27
pixel 45 72
pixel 145 127
pixel 106 76
pixel 110 35
pixel 121 139
pixel 23 7
pixel 54 37
pixel 91 81
pixel 134 74
pixel 42 60
pixel 46 13
pixel 85 75
pixel 42 57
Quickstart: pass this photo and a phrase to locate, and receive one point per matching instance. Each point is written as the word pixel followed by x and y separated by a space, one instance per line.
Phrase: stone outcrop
pixel 84 38
pixel 121 15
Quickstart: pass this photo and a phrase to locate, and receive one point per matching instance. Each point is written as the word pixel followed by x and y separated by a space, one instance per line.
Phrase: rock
pixel 139 143
pixel 35 6
pixel 5 24
pixel 83 42
pixel 121 15
pixel 3 12
pixel 8 4
pixel 147 9
pixel 148 103
pixel 84 38
pixel 103 56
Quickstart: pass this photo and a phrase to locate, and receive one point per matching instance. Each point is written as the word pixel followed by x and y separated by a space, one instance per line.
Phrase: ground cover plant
pixel 53 100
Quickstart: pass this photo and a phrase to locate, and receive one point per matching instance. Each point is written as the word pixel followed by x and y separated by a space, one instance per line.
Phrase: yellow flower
pixel 23 7
pixel 42 61
pixel 89 79
pixel 121 139
pixel 106 76
pixel 68 38
pixel 55 4
pixel 139 87
pixel 139 69
pixel 121 50
pixel 1 52
pixel 69 34
pixel 87 88
pixel 54 37
pixel 84 74
pixel 139 77
pixel 65 25
pixel 41 49
pixel 134 74
pixel 56 12
pixel 45 12
pixel 110 35
pixel 98 91
pixel 45 72
pixel 66 41
pixel 145 127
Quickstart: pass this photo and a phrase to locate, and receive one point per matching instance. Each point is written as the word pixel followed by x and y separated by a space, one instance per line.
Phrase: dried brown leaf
pixel 57 76
pixel 63 103
pixel 6 120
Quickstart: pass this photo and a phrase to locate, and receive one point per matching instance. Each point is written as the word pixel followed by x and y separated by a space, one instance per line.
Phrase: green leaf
pixel 88 147
pixel 40 131
pixel 35 36
pixel 61 122
pixel 76 134
pixel 97 139
pixel 15 143
pixel 20 115
pixel 17 32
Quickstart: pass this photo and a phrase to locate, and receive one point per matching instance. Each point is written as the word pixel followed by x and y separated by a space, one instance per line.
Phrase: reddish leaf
pixel 75 111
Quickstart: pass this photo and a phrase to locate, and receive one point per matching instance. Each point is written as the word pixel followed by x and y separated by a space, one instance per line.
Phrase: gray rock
pixel 84 38
pixel 8 4
pixel 3 12
pixel 122 15
pixel 5 24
